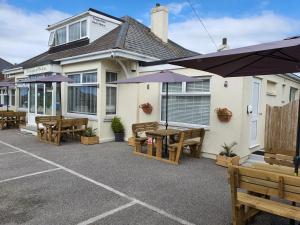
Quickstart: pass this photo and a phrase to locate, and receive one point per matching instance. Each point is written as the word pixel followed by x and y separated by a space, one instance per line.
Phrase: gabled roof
pixel 4 65
pixel 131 35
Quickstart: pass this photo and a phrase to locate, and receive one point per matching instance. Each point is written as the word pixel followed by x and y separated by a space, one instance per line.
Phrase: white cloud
pixel 22 33
pixel 176 8
pixel 243 31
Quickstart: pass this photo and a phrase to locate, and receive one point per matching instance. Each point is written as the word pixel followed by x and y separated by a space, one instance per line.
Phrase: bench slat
pixel 269 206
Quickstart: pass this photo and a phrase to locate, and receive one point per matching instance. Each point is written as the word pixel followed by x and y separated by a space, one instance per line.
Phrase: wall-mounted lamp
pixel 226 83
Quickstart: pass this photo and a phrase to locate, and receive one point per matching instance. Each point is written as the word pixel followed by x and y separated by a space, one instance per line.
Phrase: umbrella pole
pixel 297 157
pixel 167 96
pixel 7 99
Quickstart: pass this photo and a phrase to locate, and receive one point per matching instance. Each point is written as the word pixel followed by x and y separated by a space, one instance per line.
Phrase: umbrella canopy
pixel 56 78
pixel 165 76
pixel 7 84
pixel 263 59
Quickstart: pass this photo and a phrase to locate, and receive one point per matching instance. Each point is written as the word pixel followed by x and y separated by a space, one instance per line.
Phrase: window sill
pixel 181 125
pixel 108 118
pixel 78 115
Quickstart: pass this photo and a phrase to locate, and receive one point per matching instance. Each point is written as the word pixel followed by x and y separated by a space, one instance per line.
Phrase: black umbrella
pixel 7 85
pixel 167 77
pixel 263 59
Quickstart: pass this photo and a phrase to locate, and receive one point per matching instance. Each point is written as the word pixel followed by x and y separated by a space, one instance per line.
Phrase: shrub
pixel 89 132
pixel 227 150
pixel 116 125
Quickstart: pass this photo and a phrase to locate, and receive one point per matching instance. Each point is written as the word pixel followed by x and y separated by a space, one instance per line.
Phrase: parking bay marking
pixel 29 175
pixel 5 153
pixel 153 208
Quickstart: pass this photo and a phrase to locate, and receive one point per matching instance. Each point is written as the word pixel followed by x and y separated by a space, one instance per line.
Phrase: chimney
pixel 159 22
pixel 224 45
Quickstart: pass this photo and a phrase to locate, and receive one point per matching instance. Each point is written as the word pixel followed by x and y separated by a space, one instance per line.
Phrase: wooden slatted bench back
pixel 264 183
pixel 279 159
pixel 143 127
pixel 73 124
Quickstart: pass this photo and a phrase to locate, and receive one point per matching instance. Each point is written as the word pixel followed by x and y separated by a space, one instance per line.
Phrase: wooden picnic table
pixel 159 136
pixel 49 125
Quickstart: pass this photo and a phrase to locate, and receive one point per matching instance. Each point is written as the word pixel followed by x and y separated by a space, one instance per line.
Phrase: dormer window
pixel 69 33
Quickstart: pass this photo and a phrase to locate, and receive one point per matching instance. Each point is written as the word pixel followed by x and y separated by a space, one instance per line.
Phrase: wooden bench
pixel 41 129
pixel 11 118
pixel 280 159
pixel 69 127
pixel 265 191
pixel 192 138
pixel 139 128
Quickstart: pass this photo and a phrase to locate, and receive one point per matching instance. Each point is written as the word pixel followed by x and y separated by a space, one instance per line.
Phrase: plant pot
pixel 224 117
pixel 119 137
pixel 147 110
pixel 223 160
pixel 89 140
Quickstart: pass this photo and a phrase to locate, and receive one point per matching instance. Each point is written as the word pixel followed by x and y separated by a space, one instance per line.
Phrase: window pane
pixel 51 38
pixel 172 87
pixel 111 77
pixel 82 99
pixel 13 97
pixel 23 97
pixel 58 99
pixel 111 100
pixel 5 97
pixel 187 109
pixel 89 78
pixel 48 99
pixel 40 98
pixel 198 86
pixel 61 36
pixel 75 78
pixel 83 28
pixel 74 32
pixel 32 98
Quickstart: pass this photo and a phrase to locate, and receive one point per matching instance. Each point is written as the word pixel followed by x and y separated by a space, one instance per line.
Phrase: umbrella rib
pixel 229 61
pixel 248 64
pixel 291 57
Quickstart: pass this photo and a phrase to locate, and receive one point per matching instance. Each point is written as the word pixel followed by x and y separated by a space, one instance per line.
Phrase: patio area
pixel 107 184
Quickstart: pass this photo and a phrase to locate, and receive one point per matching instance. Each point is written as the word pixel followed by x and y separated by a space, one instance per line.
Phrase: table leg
pixel 150 148
pixel 159 145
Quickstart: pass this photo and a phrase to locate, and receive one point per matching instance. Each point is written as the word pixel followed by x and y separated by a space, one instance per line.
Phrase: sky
pixel 243 22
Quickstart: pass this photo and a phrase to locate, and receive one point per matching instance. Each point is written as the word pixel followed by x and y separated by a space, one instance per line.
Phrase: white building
pixel 94 48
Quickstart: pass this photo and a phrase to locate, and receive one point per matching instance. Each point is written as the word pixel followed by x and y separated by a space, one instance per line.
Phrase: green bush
pixel 89 132
pixel 116 125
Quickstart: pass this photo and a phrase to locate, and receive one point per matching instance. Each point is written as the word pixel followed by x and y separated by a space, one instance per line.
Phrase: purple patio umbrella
pixel 269 58
pixel 7 84
pixel 165 76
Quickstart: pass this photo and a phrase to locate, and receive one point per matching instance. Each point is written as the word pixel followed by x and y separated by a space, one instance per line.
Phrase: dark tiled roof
pixel 4 65
pixel 130 35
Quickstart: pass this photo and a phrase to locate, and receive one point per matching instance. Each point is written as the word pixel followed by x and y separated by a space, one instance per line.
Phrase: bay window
pixel 188 103
pixel 82 93
pixel 111 93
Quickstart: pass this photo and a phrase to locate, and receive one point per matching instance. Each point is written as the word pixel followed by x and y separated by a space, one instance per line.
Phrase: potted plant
pixel 224 114
pixel 89 137
pixel 227 156
pixel 146 107
pixel 118 129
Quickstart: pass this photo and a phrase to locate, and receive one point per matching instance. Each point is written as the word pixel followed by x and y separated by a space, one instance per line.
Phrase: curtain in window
pixel 74 32
pixel 111 100
pixel 61 36
pixel 23 97
pixel 187 109
pixel 82 99
pixel 83 28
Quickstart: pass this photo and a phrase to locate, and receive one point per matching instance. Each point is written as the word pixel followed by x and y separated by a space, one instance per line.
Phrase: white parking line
pixel 108 213
pixel 153 208
pixel 29 175
pixel 5 153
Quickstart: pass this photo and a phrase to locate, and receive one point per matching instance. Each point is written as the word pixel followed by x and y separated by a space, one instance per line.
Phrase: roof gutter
pixel 113 53
pixel 13 70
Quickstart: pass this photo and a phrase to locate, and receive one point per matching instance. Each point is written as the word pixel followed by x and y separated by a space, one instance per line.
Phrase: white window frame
pixel 108 116
pixel 3 96
pixel 184 93
pixel 96 84
pixel 67 32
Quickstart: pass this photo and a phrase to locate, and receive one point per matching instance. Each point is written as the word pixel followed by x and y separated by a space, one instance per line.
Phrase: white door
pixel 254 120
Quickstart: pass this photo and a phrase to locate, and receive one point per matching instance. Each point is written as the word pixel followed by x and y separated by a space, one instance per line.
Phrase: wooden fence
pixel 281 129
